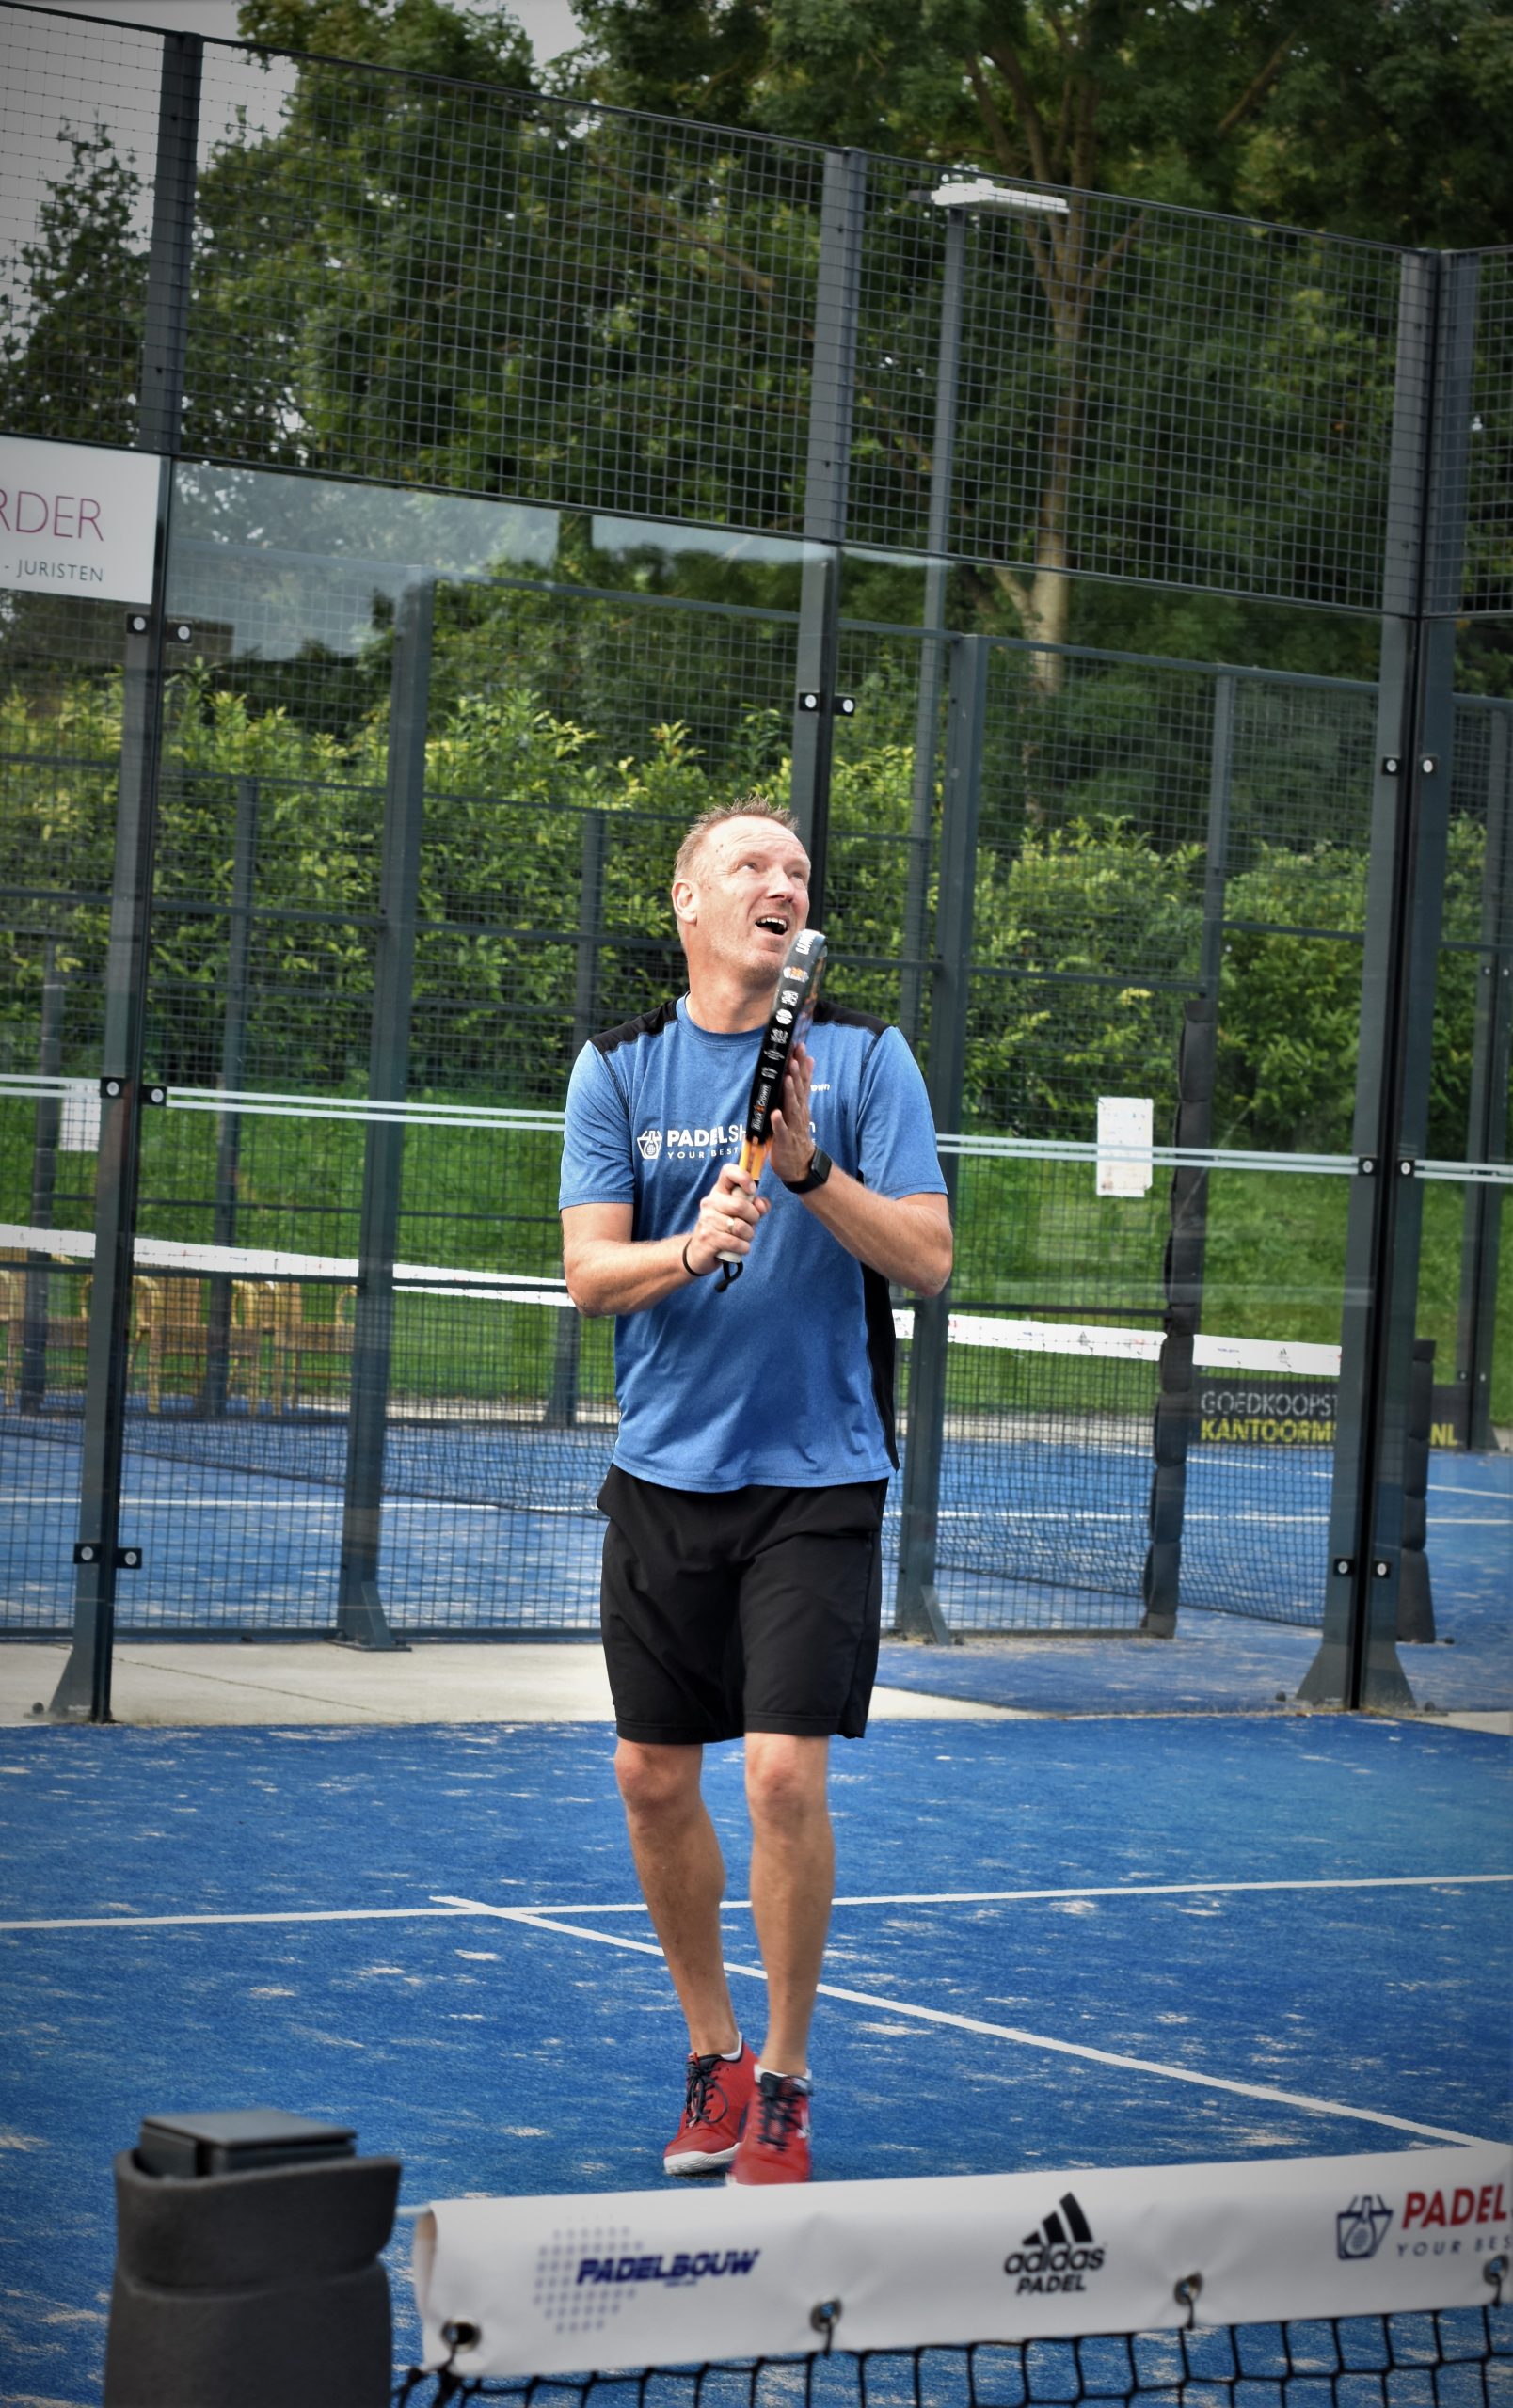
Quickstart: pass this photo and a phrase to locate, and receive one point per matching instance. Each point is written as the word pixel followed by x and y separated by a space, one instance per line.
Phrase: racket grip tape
pixel 753 1158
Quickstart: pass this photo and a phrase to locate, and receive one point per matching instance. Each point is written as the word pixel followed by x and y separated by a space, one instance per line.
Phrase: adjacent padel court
pixel 268 1526
pixel 1109 1941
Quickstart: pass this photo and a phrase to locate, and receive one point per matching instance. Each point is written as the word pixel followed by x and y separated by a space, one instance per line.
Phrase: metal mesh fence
pixel 565 371
pixel 631 332
pixel 1488 576
pixel 553 803
pixel 78 136
pixel 1132 391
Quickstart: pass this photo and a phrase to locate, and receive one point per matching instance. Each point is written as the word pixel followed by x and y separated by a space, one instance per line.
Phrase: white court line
pixel 444 1907
pixel 285 1914
pixel 1013 2032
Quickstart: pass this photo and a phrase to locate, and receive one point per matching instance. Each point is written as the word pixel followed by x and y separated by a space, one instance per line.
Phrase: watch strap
pixel 816 1176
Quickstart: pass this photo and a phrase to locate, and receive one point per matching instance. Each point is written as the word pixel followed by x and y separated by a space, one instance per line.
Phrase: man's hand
pixel 727 1219
pixel 793 1145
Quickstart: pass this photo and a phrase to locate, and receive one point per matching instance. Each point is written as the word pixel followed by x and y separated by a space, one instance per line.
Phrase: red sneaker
pixel 719 2092
pixel 774 2146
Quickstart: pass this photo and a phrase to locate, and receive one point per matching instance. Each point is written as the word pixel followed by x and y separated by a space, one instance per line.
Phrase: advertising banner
pixel 632 2279
pixel 76 518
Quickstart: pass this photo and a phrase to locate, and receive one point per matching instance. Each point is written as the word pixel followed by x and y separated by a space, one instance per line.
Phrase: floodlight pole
pixel 919 1613
pixel 1357 1664
pixel 832 393
pixel 915 970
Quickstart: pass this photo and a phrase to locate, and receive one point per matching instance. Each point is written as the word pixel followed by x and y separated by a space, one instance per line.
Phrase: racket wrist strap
pixel 688 1266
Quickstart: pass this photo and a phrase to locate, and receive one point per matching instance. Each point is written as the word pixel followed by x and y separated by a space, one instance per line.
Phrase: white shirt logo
pixel 649 1143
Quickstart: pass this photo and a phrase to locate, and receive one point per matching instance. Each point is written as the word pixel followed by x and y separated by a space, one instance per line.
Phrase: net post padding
pixel 545 2285
pixel 1182 1274
pixel 1415 1596
pixel 243 2289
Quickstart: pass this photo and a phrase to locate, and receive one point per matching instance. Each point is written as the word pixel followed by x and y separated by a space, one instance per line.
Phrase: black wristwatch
pixel 816 1176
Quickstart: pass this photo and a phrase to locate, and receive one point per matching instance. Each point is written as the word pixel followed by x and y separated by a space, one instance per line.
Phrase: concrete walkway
pixel 314 1680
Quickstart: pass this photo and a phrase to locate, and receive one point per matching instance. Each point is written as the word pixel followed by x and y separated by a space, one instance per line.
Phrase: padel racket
pixel 798 991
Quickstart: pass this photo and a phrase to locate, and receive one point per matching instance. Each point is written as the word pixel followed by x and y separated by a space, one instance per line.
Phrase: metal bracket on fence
pixel 1406 1166
pixel 1367 1165
pixel 155 1093
pixel 125 1558
pixel 1343 1567
pixel 844 706
pixel 1392 765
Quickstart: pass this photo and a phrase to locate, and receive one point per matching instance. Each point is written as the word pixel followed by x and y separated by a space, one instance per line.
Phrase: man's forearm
pixel 624 1277
pixel 906 1238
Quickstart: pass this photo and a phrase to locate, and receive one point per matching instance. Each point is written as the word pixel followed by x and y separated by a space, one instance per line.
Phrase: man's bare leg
pixel 682 1880
pixel 792 1880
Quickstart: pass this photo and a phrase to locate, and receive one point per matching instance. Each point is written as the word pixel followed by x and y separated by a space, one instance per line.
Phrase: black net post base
pixel 1460 2357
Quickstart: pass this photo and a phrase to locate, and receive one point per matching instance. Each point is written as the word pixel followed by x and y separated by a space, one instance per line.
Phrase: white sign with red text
pixel 540 2285
pixel 76 518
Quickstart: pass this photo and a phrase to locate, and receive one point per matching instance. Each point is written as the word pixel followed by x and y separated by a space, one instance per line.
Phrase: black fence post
pixel 233 1073
pixel 1415 1591
pixel 562 1405
pixel 1491 1060
pixel 1187 1236
pixel 361 1618
pixel 1215 856
pixel 914 981
pixel 84 1690
pixel 832 389
pixel 32 1384
pixel 1183 1273
pixel 1356 1663
pixel 917 1612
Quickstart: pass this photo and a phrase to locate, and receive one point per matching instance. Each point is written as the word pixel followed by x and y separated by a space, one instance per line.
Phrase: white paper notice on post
pixel 1125 1126
pixel 76 518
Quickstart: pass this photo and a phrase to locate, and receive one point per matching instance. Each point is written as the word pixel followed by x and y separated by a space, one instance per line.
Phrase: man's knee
pixel 785 1778
pixel 656 1784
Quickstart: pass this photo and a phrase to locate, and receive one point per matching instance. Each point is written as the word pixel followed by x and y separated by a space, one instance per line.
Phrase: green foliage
pixel 71 303
pixel 1088 923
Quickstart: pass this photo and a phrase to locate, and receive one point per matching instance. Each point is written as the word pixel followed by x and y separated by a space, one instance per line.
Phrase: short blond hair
pixel 751 806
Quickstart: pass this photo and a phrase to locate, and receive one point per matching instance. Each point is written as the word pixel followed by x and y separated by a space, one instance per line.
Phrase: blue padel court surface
pixel 251 1542
pixel 1109 1940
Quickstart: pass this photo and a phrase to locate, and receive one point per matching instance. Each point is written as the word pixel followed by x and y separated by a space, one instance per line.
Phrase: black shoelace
pixel 782 2114
pixel 703 2084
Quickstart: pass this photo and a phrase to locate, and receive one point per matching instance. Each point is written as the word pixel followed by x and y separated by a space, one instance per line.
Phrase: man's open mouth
pixel 774 925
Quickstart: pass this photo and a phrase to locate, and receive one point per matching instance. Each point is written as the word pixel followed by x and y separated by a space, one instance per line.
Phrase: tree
pixel 70 308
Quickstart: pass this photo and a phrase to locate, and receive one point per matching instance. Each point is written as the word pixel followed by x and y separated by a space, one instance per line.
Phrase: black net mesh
pixel 1452 2358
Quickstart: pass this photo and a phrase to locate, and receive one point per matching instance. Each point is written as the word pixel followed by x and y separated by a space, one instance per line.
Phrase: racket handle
pixel 753 1156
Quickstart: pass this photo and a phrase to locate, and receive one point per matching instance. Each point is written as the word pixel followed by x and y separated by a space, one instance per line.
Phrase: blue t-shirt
pixel 784 1380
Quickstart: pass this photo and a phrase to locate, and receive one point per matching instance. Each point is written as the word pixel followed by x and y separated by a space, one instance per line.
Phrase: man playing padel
pixel 741 1581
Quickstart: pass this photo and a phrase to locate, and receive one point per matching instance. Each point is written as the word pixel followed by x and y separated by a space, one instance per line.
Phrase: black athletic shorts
pixel 751 1610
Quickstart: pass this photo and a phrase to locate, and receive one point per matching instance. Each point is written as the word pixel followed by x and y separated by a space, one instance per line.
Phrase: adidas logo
pixel 1059 2253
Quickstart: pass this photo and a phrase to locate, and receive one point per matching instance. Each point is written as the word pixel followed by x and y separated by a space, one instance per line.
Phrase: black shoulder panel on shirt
pixel 845 1017
pixel 841 1016
pixel 651 1023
